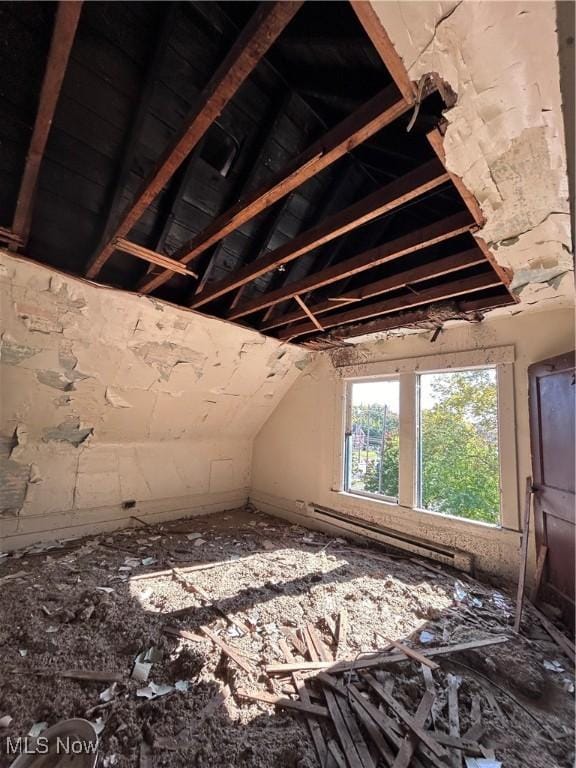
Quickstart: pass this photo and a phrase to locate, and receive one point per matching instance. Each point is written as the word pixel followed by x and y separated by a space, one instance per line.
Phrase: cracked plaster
pixel 505 134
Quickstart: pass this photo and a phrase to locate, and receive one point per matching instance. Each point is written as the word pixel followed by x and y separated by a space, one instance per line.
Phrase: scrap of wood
pixel 374 732
pixel 454 716
pixel 559 637
pixel 181 577
pixel 11 576
pixel 467 745
pixel 424 736
pixel 300 706
pixel 476 728
pixel 380 659
pixel 540 563
pixel 184 634
pixel 523 555
pixel 189 568
pixel 341 633
pixel 410 741
pixel 103 677
pixel 351 739
pixel 313 725
pixel 411 653
pixel 264 696
pixel 226 649
pixel 295 640
pixel 431 687
pixel 187 584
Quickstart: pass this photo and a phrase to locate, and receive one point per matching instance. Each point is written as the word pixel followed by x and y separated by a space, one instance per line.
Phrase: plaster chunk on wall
pixel 114 399
pixel 165 356
pixel 66 292
pixel 39 320
pixel 12 352
pixel 56 380
pixel 68 431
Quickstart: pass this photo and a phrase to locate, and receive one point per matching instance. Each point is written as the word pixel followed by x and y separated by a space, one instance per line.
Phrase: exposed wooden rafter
pixel 368 17
pixel 415 316
pixel 393 195
pixel 376 114
pixel 430 269
pixel 413 241
pixel 67 16
pixel 441 292
pixel 252 44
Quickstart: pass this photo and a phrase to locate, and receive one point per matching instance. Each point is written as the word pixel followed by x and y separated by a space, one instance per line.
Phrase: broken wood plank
pixel 251 46
pixel 381 659
pixel 416 240
pixel 301 303
pixel 424 736
pixel 411 653
pixel 100 677
pixel 454 716
pixel 67 17
pixel 476 730
pixel 431 687
pixel 313 725
pixel 355 756
pixel 281 701
pixel 410 741
pixel 559 637
pixel 185 634
pixel 227 650
pixel 152 257
pixel 540 563
pixel 341 633
pixel 374 732
pixel 523 555
pixel 188 568
pixel 295 640
pixel 370 118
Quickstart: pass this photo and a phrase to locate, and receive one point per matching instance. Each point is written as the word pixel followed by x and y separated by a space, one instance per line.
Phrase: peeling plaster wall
pixel 108 397
pixel 505 135
pixel 300 436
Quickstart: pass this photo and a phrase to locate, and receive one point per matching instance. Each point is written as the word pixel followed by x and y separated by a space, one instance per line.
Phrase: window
pixel 457 447
pixel 430 434
pixel 372 438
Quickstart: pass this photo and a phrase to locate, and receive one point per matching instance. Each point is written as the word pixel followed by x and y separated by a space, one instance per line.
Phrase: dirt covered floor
pixel 84 606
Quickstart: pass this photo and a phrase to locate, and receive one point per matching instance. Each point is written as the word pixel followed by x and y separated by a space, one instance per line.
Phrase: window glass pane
pixel 458 444
pixel 374 439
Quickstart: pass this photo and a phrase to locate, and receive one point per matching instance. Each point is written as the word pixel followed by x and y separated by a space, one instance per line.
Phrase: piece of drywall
pixel 107 398
pixel 505 133
pixel 295 457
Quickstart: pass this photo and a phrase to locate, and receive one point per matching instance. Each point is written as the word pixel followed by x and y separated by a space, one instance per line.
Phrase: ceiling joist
pixel 67 16
pixel 248 50
pixel 376 114
pixel 441 292
pixel 426 271
pixel 414 241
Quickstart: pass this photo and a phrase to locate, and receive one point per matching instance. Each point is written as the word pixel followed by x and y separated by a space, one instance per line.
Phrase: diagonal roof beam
pixel 370 118
pixel 67 16
pixel 414 184
pixel 441 292
pixel 414 316
pixel 253 43
pixel 439 267
pixel 414 241
pixel 373 27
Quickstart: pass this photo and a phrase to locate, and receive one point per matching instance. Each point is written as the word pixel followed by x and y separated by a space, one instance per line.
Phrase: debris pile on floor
pixel 276 646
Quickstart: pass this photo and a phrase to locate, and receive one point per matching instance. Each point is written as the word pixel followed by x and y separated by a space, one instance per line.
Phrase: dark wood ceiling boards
pixel 251 161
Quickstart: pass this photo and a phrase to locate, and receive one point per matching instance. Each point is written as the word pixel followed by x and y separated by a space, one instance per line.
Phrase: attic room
pixel 287 370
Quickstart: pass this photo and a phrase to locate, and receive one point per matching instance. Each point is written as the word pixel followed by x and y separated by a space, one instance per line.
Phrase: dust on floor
pixel 84 606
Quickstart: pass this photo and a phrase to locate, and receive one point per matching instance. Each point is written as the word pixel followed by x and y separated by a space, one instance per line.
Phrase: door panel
pixel 552 420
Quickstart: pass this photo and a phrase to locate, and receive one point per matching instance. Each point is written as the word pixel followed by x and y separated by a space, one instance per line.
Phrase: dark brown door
pixel 552 414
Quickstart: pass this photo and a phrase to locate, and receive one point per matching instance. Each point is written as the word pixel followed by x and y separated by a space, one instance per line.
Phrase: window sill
pixel 395 507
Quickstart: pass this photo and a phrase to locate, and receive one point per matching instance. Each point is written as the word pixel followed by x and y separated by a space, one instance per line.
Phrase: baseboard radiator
pixel 463 561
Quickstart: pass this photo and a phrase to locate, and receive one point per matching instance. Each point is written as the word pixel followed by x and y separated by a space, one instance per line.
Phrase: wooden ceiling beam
pixel 444 265
pixel 414 184
pixel 441 292
pixel 140 252
pixel 373 27
pixel 67 16
pixel 370 118
pixel 253 43
pixel 414 241
pixel 414 317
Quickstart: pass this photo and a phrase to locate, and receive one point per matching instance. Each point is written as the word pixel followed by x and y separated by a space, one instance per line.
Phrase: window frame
pixel 347 434
pixel 407 371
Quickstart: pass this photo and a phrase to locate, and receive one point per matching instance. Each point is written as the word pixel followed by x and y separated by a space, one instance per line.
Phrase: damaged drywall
pixel 505 134
pixel 108 397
